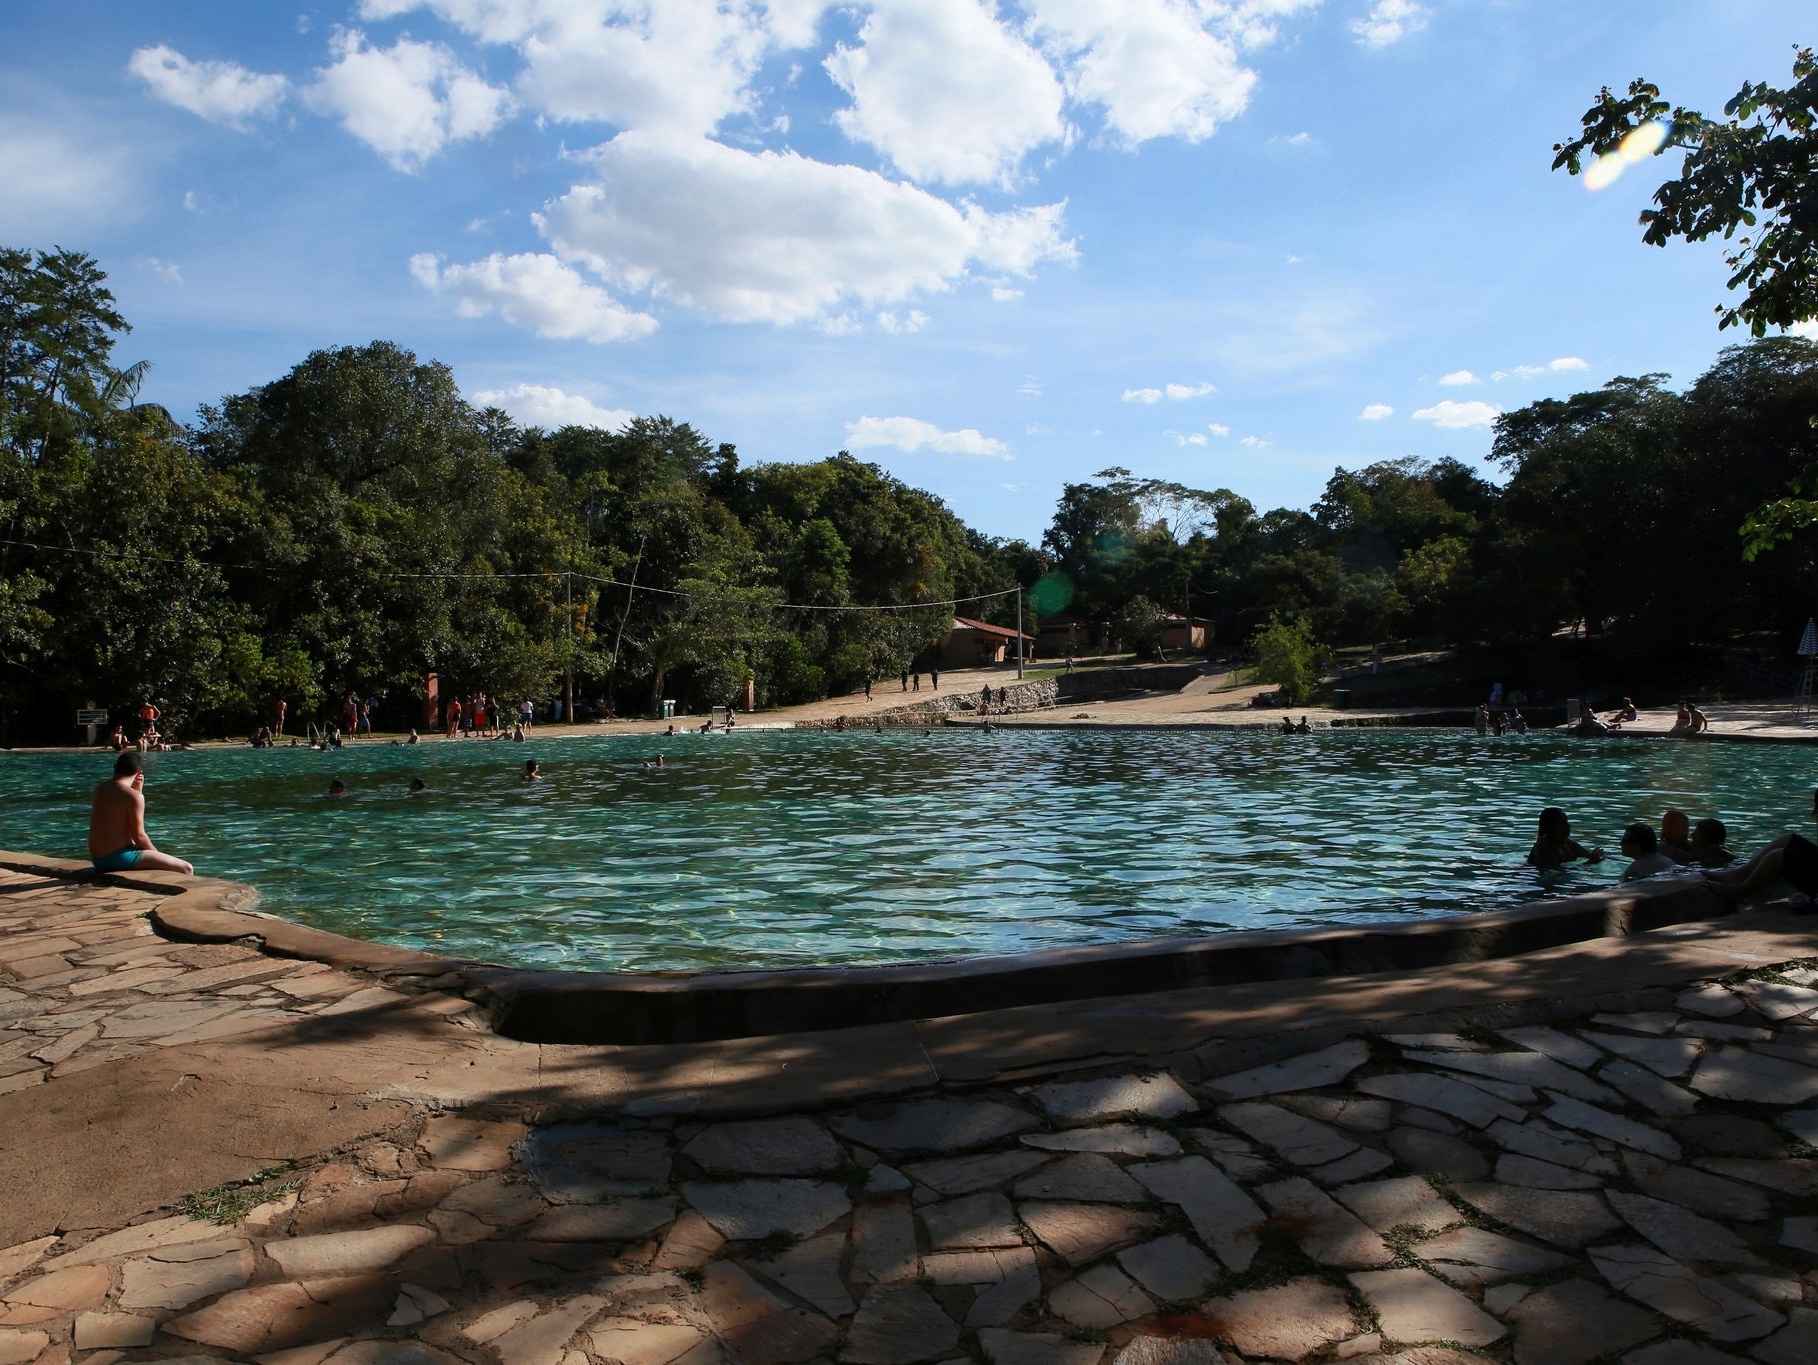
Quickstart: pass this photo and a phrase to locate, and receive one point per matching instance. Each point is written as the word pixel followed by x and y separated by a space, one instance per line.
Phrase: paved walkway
pixel 1602 1153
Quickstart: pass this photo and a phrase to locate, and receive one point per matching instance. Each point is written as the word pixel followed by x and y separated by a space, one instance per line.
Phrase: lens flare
pixel 1642 142
pixel 1604 172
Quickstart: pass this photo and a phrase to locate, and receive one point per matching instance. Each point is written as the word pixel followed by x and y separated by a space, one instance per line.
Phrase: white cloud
pixel 911 434
pixel 945 91
pixel 1197 438
pixel 1003 293
pixel 168 271
pixel 805 238
pixel 192 202
pixel 59 177
pixel 534 291
pixel 538 406
pixel 1218 429
pixel 221 92
pixel 1389 21
pixel 1254 442
pixel 1457 416
pixel 407 102
pixel 1031 387
pixel 913 322
pixel 679 66
pixel 1174 393
pixel 1565 362
pixel 1459 377
pixel 1376 412
pixel 1142 395
pixel 1807 329
pixel 1152 65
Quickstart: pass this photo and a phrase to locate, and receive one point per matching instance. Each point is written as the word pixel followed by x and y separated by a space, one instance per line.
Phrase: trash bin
pixel 669 708
pixel 1341 697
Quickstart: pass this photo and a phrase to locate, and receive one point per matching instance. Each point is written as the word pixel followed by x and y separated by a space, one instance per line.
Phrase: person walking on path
pixel 117 841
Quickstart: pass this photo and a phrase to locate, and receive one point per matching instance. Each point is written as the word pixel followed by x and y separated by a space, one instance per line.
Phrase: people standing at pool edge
pixel 1555 847
pixel 117 841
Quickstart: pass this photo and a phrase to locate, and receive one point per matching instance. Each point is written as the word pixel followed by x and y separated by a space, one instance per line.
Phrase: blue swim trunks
pixel 120 860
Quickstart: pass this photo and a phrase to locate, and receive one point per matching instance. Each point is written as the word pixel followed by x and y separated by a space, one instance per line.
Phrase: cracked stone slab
pixel 1648 1090
pixel 741 1210
pixel 883 1243
pixel 1794 1344
pixel 1003 1347
pixel 1232 1154
pixel 1547 1143
pixel 1735 1073
pixel 1530 1069
pixel 936 1125
pixel 583 1162
pixel 1663 1284
pixel 1169 1351
pixel 1575 1322
pixel 977 1220
pixel 1171 1268
pixel 1700 1191
pixel 1346 1111
pixel 1714 1002
pixel 1223 1215
pixel 1588 1118
pixel 1407 1201
pixel 618 1221
pixel 643 1343
pixel 1323 1229
pixel 1443 1095
pixel 1777 1000
pixel 1102 1297
pixel 1301 1140
pixel 1474 1256
pixel 755 1323
pixel 1561 1047
pixel 1117 1139
pixel 1667 1057
pixel 1567 1218
pixel 1289 1322
pixel 1801 1233
pixel 1157 1096
pixel 1439 1154
pixel 899 1325
pixel 1309 1071
pixel 1081 1233
pixel 792 1145
pixel 1796 1176
pixel 1085 1177
pixel 1413 1306
pixel 811 1271
pixel 997 1305
pixel 989 1266
pixel 1639 1021
pixel 1678 1232
pixel 155 1283
pixel 969 1174
pixel 459 1144
pixel 346 1253
pixel 1536 1174
pixel 540 1340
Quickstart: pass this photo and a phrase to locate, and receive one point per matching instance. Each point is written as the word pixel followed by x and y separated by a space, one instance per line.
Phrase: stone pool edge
pixel 545 1006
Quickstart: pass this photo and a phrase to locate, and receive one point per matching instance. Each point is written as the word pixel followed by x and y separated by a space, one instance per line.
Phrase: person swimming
pixel 656 762
pixel 337 788
pixel 1555 847
pixel 532 773
pixel 417 784
pixel 1709 838
pixel 1642 847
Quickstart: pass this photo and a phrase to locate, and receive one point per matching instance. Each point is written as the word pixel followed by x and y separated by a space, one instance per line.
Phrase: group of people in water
pixel 1682 845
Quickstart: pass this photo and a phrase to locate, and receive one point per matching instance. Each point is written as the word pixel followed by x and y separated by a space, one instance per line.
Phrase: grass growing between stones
pixel 232 1200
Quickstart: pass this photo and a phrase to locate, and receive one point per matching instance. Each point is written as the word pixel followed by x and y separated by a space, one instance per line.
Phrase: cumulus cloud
pixel 1456 416
pixel 1254 442
pixel 1389 21
pixel 1376 412
pixel 1142 395
pixel 168 271
pixel 1174 393
pixel 913 321
pixel 1807 329
pixel 1003 293
pixel 1565 362
pixel 1218 429
pixel 1151 65
pixel 221 92
pixel 946 91
pixel 911 434
pixel 536 405
pixel 535 291
pixel 807 237
pixel 1197 438
pixel 408 101
pixel 1459 377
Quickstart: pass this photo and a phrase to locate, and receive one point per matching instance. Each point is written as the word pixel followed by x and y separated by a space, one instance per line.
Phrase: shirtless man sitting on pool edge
pixel 117 841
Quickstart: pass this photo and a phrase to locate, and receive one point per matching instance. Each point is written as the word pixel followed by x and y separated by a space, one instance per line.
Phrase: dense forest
pixel 355 524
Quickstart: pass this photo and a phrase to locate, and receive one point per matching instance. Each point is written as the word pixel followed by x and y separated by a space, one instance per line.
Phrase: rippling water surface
pixel 776 849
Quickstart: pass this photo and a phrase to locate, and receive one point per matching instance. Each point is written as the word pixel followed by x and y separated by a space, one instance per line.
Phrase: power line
pixel 552 573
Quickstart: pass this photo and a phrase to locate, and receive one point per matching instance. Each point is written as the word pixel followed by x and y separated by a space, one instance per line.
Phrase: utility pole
pixel 1019 630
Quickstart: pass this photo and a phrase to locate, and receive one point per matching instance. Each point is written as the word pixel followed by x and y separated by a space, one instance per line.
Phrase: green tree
pixel 1285 656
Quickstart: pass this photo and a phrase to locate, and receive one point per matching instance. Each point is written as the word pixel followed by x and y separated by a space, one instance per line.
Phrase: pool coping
pixel 570 1007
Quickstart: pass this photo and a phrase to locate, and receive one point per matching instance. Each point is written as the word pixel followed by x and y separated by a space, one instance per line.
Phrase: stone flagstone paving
pixel 1634 1187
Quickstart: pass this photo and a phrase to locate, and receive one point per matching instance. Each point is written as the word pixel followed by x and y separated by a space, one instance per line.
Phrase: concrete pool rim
pixel 575 1007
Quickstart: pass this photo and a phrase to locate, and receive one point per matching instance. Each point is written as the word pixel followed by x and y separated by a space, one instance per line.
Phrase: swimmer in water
pixel 656 762
pixel 1555 847
pixel 532 773
pixel 337 788
pixel 417 784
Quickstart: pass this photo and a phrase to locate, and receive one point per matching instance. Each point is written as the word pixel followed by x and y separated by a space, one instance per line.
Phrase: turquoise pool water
pixel 774 849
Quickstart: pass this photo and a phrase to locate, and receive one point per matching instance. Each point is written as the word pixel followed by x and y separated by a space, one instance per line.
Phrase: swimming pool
pixel 796 848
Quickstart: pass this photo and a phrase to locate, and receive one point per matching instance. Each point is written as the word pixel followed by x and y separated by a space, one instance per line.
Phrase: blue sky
pixel 993 248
